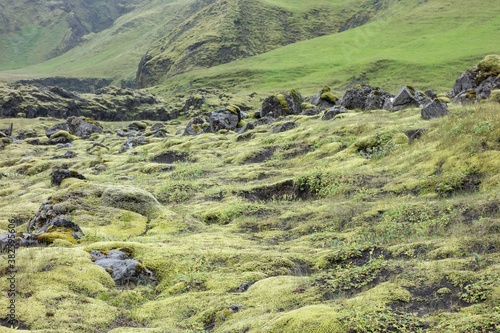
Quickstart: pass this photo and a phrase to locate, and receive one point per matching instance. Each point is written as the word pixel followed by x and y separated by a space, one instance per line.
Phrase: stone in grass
pixel 434 109
pixel 287 126
pixel 122 268
pixel 60 173
pixel 332 112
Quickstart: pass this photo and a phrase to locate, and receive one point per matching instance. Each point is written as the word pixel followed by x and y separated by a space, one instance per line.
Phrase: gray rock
pixel 280 105
pixel 133 142
pixel 197 126
pixel 287 126
pixel 466 81
pixel 364 97
pixel 122 268
pixel 246 127
pixel 332 112
pixel 405 98
pixel 59 127
pixel 223 119
pixel 83 127
pixel 434 109
pixel 312 112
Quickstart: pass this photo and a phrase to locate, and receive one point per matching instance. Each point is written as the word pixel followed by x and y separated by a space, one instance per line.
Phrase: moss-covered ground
pixel 344 225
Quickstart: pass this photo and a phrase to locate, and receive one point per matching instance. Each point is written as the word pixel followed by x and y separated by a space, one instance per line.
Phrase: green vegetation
pixel 328 235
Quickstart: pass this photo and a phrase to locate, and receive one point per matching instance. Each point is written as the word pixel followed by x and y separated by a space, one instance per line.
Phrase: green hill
pixel 426 43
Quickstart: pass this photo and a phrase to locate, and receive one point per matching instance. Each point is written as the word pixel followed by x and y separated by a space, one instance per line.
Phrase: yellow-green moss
pixel 329 97
pixel 489 66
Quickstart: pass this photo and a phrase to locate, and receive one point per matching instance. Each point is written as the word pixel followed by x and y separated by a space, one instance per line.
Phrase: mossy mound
pixel 489 66
pixel 130 198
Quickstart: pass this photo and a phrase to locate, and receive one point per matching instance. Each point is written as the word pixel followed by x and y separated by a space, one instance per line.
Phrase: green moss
pixel 63 134
pixel 495 96
pixel 489 66
pixel 130 198
pixel 329 97
pixel 325 89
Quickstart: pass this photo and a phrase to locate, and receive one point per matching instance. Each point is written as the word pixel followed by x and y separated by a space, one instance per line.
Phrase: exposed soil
pixel 286 190
pixel 426 300
pixel 262 156
pixel 170 157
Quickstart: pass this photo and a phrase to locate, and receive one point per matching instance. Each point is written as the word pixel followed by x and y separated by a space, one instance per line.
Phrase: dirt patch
pixel 427 299
pixel 286 190
pixel 170 157
pixel 297 150
pixel 262 156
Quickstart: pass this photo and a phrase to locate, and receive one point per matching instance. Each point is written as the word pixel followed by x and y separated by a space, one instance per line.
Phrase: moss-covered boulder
pixel 478 82
pixel 130 198
pixel 282 104
pixel 60 173
pixel 225 119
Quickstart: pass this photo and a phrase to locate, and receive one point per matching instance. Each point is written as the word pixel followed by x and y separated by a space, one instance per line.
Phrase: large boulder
pixel 324 99
pixel 364 97
pixel 283 104
pixel 83 127
pixel 478 82
pixel 434 109
pixel 198 125
pixel 408 97
pixel 226 118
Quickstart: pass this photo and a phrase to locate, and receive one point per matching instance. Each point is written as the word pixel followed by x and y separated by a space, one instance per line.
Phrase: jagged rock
pixel 364 97
pixel 289 125
pixel 59 174
pixel 324 99
pixel 133 142
pixel 225 118
pixel 332 112
pixel 434 109
pixel 122 268
pixel 197 126
pixel 431 94
pixel 283 104
pixel 83 127
pixel 407 97
pixel 312 112
pixel 478 82
pixel 158 126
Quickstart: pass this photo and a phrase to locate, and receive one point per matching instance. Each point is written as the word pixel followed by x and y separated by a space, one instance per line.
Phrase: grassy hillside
pixel 336 226
pixel 32 32
pixel 426 44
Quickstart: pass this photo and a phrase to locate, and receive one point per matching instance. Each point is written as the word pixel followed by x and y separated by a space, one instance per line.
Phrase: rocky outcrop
pixel 225 118
pixel 364 97
pixel 89 85
pixel 407 97
pixel 289 125
pixel 478 82
pixel 83 127
pixel 283 104
pixel 324 99
pixel 107 104
pixel 123 269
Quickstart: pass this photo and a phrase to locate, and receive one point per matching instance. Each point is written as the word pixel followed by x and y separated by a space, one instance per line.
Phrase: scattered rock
pixel 134 142
pixel 56 128
pixel 324 99
pixel 68 154
pixel 434 109
pixel 405 98
pixel 59 174
pixel 137 126
pixel 289 125
pixel 246 127
pixel 83 127
pixel 364 97
pixel 122 268
pixel 198 125
pixel 332 112
pixel 20 240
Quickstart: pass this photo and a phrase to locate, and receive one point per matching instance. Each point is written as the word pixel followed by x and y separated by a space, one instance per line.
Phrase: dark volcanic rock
pixel 59 174
pixel 289 125
pixel 134 142
pixel 225 118
pixel 364 97
pixel 198 125
pixel 434 109
pixel 282 104
pixel 56 128
pixel 83 127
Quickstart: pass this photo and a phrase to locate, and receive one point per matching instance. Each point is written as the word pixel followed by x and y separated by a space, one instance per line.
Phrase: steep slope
pixel 34 31
pixel 225 30
pixel 426 44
